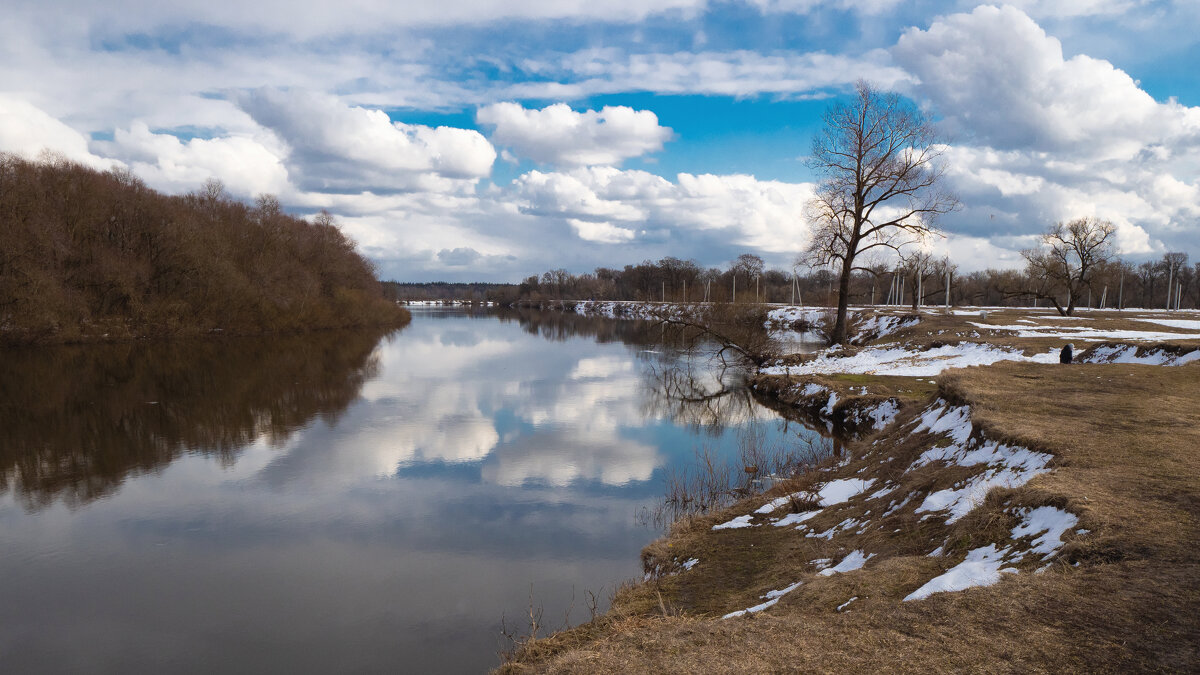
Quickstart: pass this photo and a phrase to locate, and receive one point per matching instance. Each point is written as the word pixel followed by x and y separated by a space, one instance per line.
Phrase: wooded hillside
pixel 88 254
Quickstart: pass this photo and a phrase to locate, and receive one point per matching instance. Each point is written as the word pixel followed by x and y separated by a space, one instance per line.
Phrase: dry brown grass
pixel 937 326
pixel 1124 597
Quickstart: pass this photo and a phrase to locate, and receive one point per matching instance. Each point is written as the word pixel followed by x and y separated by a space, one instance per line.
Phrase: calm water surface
pixel 338 502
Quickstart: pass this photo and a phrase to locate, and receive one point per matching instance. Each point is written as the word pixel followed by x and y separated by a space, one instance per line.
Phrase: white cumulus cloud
pixel 561 136
pixel 27 130
pixel 334 146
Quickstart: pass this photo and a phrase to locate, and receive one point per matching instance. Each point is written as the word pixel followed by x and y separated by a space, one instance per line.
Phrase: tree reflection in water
pixel 79 420
pixel 692 385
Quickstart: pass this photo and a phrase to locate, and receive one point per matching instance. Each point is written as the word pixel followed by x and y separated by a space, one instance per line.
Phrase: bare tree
pixel 1067 259
pixel 881 184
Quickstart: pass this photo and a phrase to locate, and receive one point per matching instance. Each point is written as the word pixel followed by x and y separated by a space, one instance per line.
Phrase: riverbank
pixel 1023 515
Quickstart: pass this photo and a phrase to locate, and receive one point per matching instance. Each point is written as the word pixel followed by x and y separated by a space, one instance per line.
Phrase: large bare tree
pixel 1068 257
pixel 881 186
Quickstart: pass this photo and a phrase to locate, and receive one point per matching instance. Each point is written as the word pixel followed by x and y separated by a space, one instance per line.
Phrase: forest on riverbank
pixel 88 254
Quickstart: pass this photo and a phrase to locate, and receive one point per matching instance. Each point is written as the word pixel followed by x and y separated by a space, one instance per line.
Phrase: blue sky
pixel 490 140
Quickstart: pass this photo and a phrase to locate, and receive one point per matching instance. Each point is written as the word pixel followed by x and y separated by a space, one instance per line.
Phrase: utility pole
pixel 734 299
pixel 1170 282
pixel 1121 293
pixel 947 289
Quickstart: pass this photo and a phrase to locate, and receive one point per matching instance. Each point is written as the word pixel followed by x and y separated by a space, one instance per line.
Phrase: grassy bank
pixel 1109 450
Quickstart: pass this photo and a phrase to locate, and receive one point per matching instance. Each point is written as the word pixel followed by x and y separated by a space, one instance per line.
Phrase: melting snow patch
pixel 1174 323
pixel 981 568
pixel 793 518
pixel 1049 524
pixel 842 490
pixel 690 563
pixel 774 504
pixel 1007 466
pixel 771 597
pixel 846 603
pixel 883 414
pixel 740 521
pixel 955 422
pixel 1129 354
pixel 853 561
pixel 828 410
pixel 900 361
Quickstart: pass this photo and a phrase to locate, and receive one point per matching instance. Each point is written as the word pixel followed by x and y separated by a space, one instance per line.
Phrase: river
pixel 340 502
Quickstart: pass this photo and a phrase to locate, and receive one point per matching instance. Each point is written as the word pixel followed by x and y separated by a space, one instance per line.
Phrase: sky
pixel 488 140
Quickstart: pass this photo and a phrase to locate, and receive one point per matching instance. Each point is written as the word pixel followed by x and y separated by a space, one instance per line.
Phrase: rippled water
pixel 337 502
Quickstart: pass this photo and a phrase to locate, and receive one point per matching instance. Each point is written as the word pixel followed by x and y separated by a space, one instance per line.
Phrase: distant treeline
pixel 91 254
pixel 443 290
pixel 746 280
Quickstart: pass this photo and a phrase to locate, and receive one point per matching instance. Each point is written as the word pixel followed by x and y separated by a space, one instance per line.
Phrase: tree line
pixel 918 276
pixel 87 254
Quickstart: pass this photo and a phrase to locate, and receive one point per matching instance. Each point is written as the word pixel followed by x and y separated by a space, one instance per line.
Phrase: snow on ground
pixel 1047 525
pixel 689 563
pixel 794 518
pixel 912 362
pixel 1129 354
pixel 842 490
pixel 853 561
pixel 740 521
pixel 883 414
pixel 981 568
pixel 771 597
pixel 1174 323
pixel 846 603
pixel 1005 465
pixel 1085 333
pixel 791 314
pixel 881 325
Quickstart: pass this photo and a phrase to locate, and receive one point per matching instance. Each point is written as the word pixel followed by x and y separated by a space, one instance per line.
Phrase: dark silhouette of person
pixel 1065 355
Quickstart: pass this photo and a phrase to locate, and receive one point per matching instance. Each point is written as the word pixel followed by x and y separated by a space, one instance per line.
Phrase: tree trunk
pixel 839 326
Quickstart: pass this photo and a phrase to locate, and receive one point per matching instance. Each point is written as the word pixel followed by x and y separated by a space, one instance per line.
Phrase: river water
pixel 339 502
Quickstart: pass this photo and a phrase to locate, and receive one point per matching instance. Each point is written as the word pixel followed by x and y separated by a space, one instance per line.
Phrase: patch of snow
pixel 846 603
pixel 853 561
pixel 885 490
pixel 883 414
pixel 689 563
pixel 793 518
pixel 774 504
pixel 1129 354
pixel 740 521
pixel 899 506
pixel 935 552
pixel 812 389
pixel 772 598
pixel 842 490
pixel 910 362
pixel 1174 323
pixel 1047 525
pixel 828 410
pixel 1085 333
pixel 1006 465
pixel 981 568
pixel 955 421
